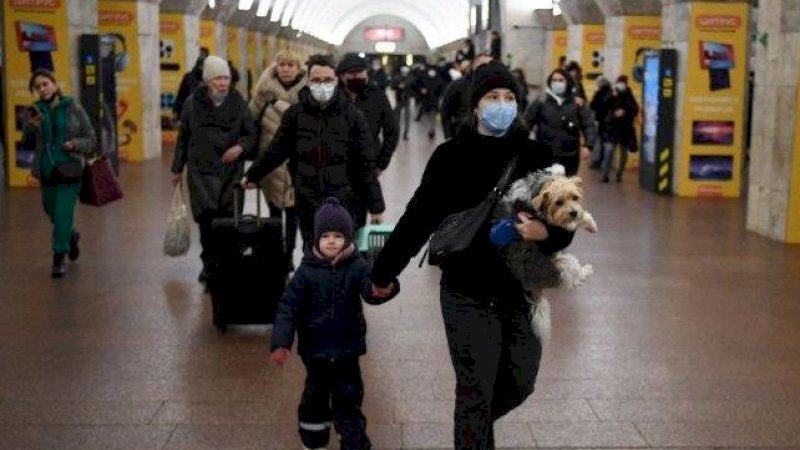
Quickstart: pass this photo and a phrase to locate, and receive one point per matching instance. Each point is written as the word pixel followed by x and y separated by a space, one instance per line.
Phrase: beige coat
pixel 277 185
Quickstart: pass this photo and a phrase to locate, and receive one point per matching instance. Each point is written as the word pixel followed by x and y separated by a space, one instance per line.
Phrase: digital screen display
pixel 712 132
pixel 35 37
pixel 650 92
pixel 716 55
pixel 710 167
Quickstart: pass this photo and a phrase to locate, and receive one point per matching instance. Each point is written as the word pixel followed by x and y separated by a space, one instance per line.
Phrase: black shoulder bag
pixel 458 230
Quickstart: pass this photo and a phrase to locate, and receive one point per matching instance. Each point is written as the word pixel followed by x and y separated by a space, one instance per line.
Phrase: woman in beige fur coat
pixel 274 93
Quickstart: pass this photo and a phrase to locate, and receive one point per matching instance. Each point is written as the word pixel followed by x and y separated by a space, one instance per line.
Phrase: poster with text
pixel 118 22
pixel 558 48
pixel 711 148
pixel 594 41
pixel 35 38
pixel 172 43
pixel 793 212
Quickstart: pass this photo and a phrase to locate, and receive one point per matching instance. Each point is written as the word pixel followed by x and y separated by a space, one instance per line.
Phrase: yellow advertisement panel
pixel 173 55
pixel 208 38
pixel 234 52
pixel 558 48
pixel 793 212
pixel 710 159
pixel 641 33
pixel 119 21
pixel 35 37
pixel 594 40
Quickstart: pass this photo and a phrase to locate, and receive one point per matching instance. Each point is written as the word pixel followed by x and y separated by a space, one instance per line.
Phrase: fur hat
pixel 490 76
pixel 213 67
pixel 351 61
pixel 332 216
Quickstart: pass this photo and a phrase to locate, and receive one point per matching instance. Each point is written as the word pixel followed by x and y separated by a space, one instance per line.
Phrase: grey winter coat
pixel 270 101
pixel 79 130
pixel 206 132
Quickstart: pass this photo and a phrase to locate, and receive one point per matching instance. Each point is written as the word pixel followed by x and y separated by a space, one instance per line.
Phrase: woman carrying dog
pixel 493 348
pixel 64 137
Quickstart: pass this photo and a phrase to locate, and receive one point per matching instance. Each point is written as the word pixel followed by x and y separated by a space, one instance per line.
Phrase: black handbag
pixel 68 172
pixel 457 231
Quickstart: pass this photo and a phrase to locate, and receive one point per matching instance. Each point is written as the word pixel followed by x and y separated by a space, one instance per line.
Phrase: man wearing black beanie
pixel 372 101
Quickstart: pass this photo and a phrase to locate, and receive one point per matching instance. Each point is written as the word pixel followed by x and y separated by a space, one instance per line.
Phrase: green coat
pixel 79 130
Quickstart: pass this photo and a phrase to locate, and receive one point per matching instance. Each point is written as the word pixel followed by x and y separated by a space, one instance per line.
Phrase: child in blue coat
pixel 323 305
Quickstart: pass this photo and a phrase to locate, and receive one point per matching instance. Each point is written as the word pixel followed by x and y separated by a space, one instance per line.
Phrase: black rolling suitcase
pixel 248 269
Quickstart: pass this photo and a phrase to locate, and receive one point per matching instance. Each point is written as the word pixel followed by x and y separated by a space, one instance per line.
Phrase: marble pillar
pixel 82 19
pixel 150 86
pixel 774 173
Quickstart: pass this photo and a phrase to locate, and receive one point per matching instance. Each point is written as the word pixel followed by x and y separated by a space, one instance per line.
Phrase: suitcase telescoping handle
pixel 236 190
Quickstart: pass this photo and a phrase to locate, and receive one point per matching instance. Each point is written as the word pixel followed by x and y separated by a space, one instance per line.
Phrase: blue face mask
pixel 497 117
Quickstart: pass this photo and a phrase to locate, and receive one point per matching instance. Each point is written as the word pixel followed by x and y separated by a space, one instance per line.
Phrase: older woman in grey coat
pixel 217 133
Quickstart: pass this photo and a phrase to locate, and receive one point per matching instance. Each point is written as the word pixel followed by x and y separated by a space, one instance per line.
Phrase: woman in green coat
pixel 63 137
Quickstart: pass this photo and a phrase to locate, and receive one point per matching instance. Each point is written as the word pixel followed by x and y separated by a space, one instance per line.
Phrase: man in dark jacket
pixel 372 101
pixel 217 133
pixel 190 81
pixel 330 150
pixel 402 86
pixel 455 101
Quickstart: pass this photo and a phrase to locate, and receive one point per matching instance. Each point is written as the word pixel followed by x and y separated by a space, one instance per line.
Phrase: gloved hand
pixel 280 356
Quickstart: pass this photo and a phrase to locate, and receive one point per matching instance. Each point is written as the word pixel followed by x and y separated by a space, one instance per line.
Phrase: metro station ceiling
pixel 439 21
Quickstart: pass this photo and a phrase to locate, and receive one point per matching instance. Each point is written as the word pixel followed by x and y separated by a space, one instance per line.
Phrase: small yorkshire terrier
pixel 557 200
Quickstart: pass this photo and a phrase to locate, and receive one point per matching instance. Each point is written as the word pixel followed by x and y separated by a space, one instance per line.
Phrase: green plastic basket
pixel 370 239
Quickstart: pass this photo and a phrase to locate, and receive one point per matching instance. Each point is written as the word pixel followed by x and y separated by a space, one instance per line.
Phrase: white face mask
pixel 558 87
pixel 431 73
pixel 622 87
pixel 322 92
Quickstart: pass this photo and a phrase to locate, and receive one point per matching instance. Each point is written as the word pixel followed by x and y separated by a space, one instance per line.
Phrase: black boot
pixel 74 250
pixel 59 268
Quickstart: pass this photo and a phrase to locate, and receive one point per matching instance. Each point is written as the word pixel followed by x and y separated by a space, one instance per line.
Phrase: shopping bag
pixel 177 238
pixel 99 185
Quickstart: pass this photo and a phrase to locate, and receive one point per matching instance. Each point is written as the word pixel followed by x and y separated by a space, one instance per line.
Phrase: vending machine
pixel 99 91
pixel 658 127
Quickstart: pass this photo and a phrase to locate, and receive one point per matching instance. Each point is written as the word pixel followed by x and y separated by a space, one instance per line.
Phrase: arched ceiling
pixel 439 21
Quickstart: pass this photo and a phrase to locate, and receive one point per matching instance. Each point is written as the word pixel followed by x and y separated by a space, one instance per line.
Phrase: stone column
pixel 773 204
pixel 150 86
pixel 585 38
pixel 524 40
pixel 82 18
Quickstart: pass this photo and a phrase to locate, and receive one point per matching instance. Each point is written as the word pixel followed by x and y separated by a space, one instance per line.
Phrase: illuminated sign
pixel 385 33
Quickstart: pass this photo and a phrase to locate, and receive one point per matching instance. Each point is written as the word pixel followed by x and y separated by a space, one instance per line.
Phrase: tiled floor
pixel 687 336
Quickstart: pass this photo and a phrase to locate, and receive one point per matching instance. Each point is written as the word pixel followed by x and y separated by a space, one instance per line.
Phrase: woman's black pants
pixel 496 358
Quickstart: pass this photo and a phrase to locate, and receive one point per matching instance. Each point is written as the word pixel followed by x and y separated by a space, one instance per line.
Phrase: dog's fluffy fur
pixel 557 200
